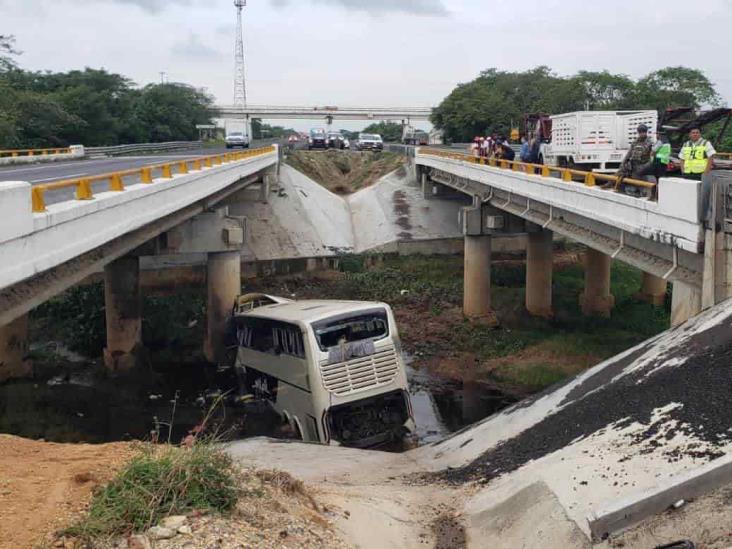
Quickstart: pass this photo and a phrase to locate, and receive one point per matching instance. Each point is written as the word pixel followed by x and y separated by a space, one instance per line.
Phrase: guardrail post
pixel 567 176
pixel 84 190
pixel 545 171
pixel 217 160
pixel 146 175
pixel 515 166
pixel 590 179
pixel 183 167
pixel 115 183
pixel 208 162
pixel 39 204
pixel 196 165
pixel 167 174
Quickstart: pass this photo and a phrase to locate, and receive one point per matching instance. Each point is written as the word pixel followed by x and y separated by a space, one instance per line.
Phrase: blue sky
pixel 377 52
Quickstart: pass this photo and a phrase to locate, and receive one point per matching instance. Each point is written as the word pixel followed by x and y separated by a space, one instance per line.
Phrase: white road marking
pixel 68 176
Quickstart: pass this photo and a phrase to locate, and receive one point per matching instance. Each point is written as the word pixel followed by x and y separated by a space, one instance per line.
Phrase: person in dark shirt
pixel 507 152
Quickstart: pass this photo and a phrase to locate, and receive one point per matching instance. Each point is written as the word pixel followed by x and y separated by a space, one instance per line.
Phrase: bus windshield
pixel 369 325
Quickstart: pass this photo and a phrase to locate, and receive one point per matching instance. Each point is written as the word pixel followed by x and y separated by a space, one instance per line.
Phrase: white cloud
pixel 377 7
pixel 194 48
pixel 153 6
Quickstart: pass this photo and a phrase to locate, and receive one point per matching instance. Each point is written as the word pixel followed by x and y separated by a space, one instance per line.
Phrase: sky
pixel 367 52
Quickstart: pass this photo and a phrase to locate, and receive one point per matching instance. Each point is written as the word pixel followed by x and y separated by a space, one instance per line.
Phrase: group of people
pixel 493 146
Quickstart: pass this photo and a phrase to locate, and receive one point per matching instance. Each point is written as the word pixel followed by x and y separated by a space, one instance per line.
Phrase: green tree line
pixel 92 107
pixel 497 100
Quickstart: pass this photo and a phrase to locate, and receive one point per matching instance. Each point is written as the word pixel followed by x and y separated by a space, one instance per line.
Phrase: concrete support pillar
pixel 123 311
pixel 14 349
pixel 428 186
pixel 224 285
pixel 477 277
pixel 653 289
pixel 539 266
pixel 597 299
pixel 686 303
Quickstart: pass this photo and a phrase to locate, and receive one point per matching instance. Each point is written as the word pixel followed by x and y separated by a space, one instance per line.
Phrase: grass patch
pixel 159 482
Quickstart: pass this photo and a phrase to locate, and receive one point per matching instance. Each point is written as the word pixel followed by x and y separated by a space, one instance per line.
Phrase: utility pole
pixel 163 74
pixel 240 91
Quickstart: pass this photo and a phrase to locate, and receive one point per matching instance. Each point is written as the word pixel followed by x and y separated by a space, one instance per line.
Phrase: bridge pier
pixel 14 349
pixel 596 298
pixel 123 312
pixel 539 266
pixel 223 280
pixel 477 277
pixel 653 289
pixel 686 303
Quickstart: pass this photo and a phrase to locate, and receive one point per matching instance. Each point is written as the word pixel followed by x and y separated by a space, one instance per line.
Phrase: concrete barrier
pixel 76 152
pixel 627 512
pixel 16 218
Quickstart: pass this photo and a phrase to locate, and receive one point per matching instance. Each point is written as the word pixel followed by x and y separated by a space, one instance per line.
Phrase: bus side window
pixel 288 340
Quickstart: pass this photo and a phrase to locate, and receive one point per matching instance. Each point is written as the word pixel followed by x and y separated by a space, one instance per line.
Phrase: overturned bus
pixel 332 369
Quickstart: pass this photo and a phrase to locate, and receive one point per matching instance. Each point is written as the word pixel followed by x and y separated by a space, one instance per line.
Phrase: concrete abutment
pixel 653 289
pixel 123 313
pixel 686 303
pixel 223 281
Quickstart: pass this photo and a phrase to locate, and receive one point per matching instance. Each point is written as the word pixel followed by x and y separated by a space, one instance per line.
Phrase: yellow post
pixel 30 153
pixel 15 154
pixel 44 152
pixel 39 204
pixel 183 167
pixel 504 164
pixel 166 171
pixel 515 166
pixel 590 179
pixel 196 165
pixel 115 183
pixel 208 162
pixel 566 176
pixel 492 162
pixel 146 175
pixel 545 171
pixel 217 160
pixel 84 190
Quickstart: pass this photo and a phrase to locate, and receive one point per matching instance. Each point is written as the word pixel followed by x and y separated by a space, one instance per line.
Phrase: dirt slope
pixel 344 172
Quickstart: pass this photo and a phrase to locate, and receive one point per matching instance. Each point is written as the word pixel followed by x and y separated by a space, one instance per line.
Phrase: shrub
pixel 161 481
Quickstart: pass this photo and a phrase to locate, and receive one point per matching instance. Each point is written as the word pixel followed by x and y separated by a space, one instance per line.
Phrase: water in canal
pixel 79 404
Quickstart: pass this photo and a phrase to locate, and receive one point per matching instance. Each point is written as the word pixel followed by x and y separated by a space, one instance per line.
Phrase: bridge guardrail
pixel 590 179
pixel 83 186
pixel 15 153
pixel 115 150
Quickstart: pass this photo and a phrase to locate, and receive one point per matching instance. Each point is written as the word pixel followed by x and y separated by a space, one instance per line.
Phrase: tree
pixel 606 91
pixel 7 49
pixel 676 87
pixel 389 131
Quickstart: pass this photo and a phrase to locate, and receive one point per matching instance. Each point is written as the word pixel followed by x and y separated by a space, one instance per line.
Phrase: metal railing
pixel 568 175
pixel 116 180
pixel 15 153
pixel 115 150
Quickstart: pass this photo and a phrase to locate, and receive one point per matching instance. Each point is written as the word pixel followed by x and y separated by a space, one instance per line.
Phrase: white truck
pixel 594 140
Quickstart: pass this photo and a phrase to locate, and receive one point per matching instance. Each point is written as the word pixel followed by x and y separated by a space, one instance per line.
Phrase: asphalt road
pixel 72 169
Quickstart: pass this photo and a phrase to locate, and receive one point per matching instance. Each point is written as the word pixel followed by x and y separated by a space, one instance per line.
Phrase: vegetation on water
pixel 161 481
pixel 497 100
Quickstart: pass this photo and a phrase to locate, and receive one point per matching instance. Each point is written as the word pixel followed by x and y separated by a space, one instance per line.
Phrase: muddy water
pixel 80 404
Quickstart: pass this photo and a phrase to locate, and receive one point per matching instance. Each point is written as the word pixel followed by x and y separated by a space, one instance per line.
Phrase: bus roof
pixel 309 310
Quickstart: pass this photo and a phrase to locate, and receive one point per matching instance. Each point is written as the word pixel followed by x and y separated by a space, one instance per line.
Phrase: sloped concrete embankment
pixel 533 474
pixel 302 219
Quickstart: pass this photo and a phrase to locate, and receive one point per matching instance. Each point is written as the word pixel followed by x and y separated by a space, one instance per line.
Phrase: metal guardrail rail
pixel 115 150
pixel 568 175
pixel 15 153
pixel 115 180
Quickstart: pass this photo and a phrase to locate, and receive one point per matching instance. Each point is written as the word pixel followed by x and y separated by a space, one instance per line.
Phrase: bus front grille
pixel 360 374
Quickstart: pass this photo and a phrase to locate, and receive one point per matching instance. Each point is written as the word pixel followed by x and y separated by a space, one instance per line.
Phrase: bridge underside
pixel 661 259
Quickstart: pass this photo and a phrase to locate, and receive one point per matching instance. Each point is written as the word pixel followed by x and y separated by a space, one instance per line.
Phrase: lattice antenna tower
pixel 240 90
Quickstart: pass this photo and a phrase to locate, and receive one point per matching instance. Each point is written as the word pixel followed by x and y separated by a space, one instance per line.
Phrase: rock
pixel 185 529
pixel 174 522
pixel 160 532
pixel 138 542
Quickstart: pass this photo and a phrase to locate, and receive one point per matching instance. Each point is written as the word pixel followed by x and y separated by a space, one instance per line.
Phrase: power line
pixel 240 91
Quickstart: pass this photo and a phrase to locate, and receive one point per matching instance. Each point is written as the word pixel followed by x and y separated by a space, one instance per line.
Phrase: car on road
pixel 293 139
pixel 369 142
pixel 237 139
pixel 336 140
pixel 318 139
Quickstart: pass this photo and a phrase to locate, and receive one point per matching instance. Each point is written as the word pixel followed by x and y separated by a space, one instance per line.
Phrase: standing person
pixel 638 158
pixel 525 151
pixel 696 156
pixel 475 147
pixel 507 153
pixel 697 160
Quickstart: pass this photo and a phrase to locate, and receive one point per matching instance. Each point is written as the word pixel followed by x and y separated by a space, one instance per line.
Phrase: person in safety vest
pixel 696 156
